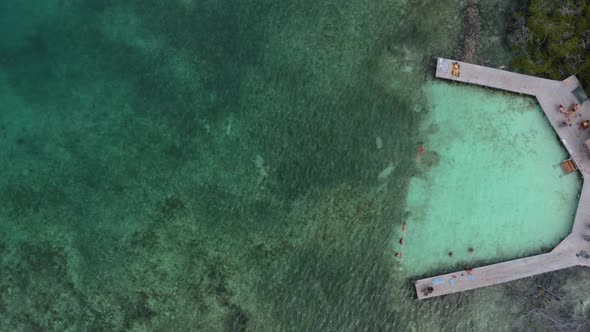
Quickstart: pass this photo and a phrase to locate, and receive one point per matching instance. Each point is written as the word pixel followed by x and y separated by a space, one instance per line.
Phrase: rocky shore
pixel 472 28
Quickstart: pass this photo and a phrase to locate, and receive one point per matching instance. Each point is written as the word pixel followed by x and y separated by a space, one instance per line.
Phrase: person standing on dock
pixel 563 110
pixel 574 109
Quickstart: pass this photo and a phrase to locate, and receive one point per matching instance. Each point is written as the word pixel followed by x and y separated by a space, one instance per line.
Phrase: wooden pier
pixel 574 250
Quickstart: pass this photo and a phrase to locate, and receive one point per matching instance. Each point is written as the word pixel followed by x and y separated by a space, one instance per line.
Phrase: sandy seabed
pixel 212 166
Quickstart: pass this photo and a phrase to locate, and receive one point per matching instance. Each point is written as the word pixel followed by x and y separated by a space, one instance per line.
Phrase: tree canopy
pixel 553 39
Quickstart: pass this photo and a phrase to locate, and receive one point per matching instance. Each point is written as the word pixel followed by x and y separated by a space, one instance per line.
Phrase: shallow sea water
pixel 246 166
pixel 493 181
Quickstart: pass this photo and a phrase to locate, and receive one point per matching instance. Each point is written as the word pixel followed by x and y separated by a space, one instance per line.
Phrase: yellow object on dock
pixel 456 71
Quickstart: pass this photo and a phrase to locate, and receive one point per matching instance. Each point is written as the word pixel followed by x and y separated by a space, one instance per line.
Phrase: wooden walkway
pixel 574 250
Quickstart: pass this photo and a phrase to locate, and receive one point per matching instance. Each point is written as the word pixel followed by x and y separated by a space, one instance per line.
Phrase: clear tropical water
pixel 241 166
pixel 491 182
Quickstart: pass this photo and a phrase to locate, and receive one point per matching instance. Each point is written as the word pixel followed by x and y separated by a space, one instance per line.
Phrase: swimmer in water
pixel 420 151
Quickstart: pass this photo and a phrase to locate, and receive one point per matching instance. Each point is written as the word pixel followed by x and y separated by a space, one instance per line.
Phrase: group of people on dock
pixel 570 112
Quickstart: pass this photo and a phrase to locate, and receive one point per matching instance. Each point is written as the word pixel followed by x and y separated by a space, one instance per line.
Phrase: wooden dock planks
pixel 495 274
pixel 492 78
pixel 572 250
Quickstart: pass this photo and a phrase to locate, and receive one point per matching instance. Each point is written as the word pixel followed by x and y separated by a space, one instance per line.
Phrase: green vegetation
pixel 553 38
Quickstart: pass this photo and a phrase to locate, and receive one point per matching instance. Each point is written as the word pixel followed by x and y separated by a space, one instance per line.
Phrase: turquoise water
pixel 242 166
pixel 491 181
